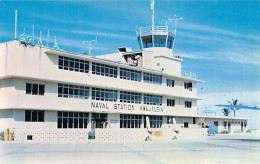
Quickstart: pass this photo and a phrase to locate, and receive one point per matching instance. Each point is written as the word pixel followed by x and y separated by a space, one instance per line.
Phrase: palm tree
pixel 226 111
pixel 234 103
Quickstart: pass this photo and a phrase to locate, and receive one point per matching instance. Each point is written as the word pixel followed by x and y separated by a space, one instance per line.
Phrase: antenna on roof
pixel 48 36
pixel 152 8
pixel 175 20
pixel 15 25
pixel 90 44
pixel 33 34
pixel 55 44
pixel 40 39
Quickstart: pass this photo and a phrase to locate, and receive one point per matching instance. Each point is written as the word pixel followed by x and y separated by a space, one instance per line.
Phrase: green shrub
pixel 248 131
pixel 224 132
pixel 2 135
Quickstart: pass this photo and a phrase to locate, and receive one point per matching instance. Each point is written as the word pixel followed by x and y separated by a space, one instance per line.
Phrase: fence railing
pixel 189 74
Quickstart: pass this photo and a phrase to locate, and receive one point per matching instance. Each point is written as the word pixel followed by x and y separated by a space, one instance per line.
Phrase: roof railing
pixel 189 74
pixel 154 28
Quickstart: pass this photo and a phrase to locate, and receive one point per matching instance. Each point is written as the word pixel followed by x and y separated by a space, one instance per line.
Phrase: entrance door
pixel 99 120
pixel 242 127
pixel 229 127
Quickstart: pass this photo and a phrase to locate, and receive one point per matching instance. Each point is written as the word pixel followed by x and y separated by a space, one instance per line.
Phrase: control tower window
pixel 147 41
pixel 159 40
pixel 170 42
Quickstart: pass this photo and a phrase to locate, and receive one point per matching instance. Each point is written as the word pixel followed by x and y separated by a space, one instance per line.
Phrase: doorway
pixel 99 120
pixel 216 123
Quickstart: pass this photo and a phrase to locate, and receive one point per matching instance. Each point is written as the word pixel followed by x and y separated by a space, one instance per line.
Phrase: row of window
pixel 104 70
pixel 135 121
pixel 171 102
pixel 72 120
pixel 34 116
pixel 169 83
pixel 130 97
pixel 72 64
pixel 151 78
pixel 152 99
pixel 130 74
pixel 188 104
pixel 99 120
pixel 130 121
pixel 104 94
pixel 35 89
pixel 81 92
pixel 73 91
pixel 155 121
pixel 78 65
pixel 188 86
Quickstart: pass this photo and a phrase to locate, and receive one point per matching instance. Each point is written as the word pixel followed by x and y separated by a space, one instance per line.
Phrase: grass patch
pixel 248 131
pixel 224 132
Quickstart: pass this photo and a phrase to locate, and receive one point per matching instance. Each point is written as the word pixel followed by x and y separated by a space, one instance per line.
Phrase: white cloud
pixel 209 29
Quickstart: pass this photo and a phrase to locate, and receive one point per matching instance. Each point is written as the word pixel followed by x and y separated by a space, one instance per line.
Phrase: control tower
pixel 156 44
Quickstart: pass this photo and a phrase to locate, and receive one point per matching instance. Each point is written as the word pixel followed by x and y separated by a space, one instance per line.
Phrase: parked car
pixel 212 129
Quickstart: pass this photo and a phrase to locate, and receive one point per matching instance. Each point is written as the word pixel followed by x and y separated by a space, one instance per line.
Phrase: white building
pixel 53 95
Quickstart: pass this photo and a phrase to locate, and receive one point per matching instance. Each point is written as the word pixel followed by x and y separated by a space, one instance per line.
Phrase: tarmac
pixel 221 148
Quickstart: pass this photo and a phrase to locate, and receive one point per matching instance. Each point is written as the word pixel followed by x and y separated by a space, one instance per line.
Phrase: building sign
pixel 121 106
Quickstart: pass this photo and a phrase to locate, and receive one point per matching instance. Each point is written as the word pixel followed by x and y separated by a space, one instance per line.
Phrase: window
pixel 188 86
pixel 130 97
pixel 130 74
pixel 104 70
pixel 34 89
pixel 72 120
pixel 72 64
pixel 152 100
pixel 29 137
pixel 186 124
pixel 170 83
pixel 104 94
pixel 188 104
pixel 151 78
pixel 34 116
pixel 155 121
pixel 170 120
pixel 130 121
pixel 171 102
pixel 73 91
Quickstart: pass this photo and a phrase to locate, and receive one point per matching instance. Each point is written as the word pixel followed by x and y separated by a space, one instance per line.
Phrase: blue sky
pixel 219 40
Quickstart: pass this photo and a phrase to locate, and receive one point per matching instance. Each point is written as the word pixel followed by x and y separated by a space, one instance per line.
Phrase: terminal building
pixel 48 94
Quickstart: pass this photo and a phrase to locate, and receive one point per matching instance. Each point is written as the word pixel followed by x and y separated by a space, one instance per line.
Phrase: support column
pixel 142 122
pixel 89 121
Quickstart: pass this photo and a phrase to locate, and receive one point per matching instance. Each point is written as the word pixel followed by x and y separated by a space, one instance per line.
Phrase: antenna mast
pixel 15 26
pixel 175 20
pixel 175 30
pixel 152 8
pixel 90 44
